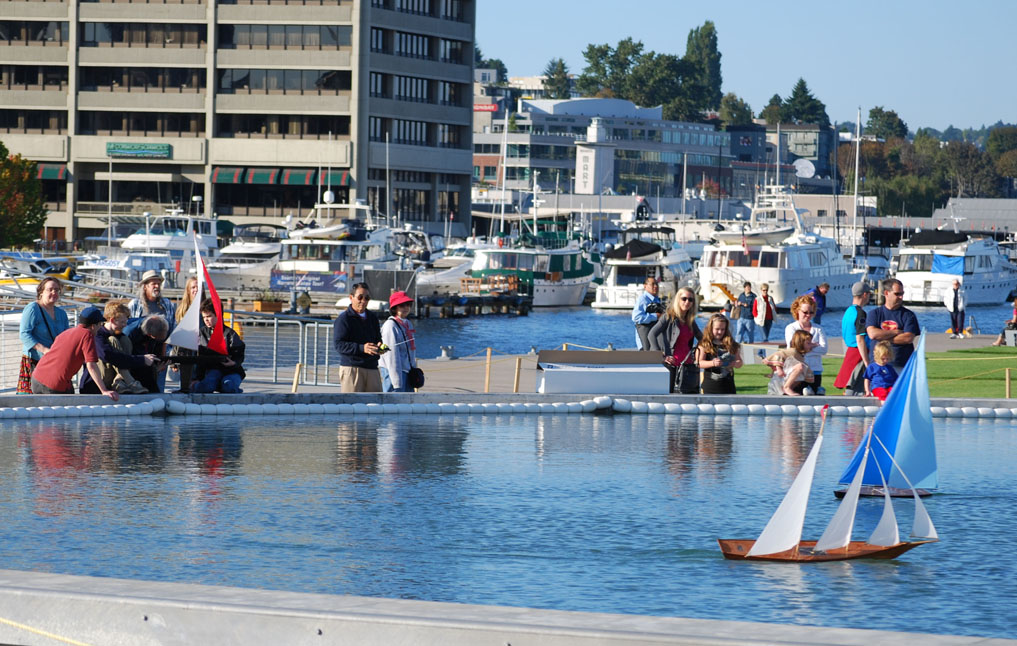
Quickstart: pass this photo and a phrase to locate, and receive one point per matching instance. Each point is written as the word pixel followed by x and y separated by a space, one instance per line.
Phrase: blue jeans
pixel 386 383
pixel 214 380
pixel 746 330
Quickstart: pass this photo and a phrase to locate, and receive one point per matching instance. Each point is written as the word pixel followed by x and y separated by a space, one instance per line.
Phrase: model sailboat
pixel 781 539
pixel 906 440
pixel 187 333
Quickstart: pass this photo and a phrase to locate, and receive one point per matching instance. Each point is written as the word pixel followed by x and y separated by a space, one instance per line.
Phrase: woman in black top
pixel 718 354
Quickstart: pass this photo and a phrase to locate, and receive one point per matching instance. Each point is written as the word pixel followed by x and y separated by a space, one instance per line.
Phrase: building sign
pixel 586 171
pixel 485 107
pixel 309 281
pixel 139 151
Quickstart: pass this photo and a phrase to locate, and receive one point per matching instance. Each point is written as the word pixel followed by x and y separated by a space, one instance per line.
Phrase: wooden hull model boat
pixel 738 549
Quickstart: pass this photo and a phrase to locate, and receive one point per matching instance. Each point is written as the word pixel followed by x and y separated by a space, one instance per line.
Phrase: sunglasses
pixel 809 312
pixel 901 294
pixel 361 297
pixel 686 299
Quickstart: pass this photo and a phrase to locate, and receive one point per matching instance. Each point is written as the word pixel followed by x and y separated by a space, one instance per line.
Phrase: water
pixel 593 513
pixel 548 328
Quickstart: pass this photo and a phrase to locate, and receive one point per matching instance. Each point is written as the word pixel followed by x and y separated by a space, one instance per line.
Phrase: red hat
pixel 398 298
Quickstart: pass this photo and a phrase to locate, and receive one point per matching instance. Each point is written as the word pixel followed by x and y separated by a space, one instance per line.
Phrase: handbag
pixel 415 378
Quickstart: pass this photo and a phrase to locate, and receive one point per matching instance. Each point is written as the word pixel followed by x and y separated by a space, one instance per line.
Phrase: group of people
pixel 374 357
pixel 879 342
pixel 122 346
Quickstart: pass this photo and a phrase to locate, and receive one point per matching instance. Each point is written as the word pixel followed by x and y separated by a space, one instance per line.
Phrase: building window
pixel 450 51
pixel 141 124
pixel 34 77
pixel 320 37
pixel 378 41
pixel 412 45
pixel 410 88
pixel 378 85
pixel 376 129
pixel 147 79
pixel 33 121
pixel 282 126
pixel 242 81
pixel 418 7
pixel 115 34
pixel 34 31
pixel 405 131
pixel 452 10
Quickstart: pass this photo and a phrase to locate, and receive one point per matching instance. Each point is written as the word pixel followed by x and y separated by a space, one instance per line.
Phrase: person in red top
pixel 71 349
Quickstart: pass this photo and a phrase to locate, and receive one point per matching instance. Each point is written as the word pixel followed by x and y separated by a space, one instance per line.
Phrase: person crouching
pixel 71 349
pixel 225 376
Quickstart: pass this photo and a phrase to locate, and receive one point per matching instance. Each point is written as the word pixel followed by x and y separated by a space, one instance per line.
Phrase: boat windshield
pixel 915 262
pixel 738 258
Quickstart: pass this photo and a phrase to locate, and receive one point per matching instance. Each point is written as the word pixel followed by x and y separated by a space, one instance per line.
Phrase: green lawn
pixel 979 372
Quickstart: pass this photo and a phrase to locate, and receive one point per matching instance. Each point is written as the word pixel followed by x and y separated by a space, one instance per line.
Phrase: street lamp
pixel 197 204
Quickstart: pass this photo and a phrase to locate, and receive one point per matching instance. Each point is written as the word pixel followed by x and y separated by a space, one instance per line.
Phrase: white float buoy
pixel 806 409
pixel 872 410
pixel 788 409
pixel 705 408
pixel 287 409
pixel 739 409
pixel 622 405
pixel 477 408
pixel 270 409
pixel 722 409
pixel 224 409
pixel 574 408
pixel 405 409
pixel 588 405
pixel 360 408
pixel 603 401
pixel 330 409
pixel 175 407
pixel 655 408
pixel 1002 413
pixel 346 409
pixel 953 411
pixel 672 408
pixel 208 409
pixel 158 404
pixel 545 407
pixel 146 408
pixel 839 410
pixel 433 409
pixel 389 409
pixel 6 413
pixel 640 408
pixel 937 411
pixel 315 409
pixel 773 409
pixel 690 408
pixel 969 411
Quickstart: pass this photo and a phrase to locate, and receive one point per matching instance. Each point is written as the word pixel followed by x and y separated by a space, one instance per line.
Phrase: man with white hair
pixel 956 301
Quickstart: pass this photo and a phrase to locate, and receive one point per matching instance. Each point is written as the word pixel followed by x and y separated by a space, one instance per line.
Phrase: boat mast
pixel 504 170
pixel 858 148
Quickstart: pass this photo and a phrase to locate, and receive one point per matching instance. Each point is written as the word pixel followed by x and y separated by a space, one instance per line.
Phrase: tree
pixel 490 63
pixel 556 79
pixel 701 49
pixel 802 107
pixel 885 124
pixel 1006 164
pixel 771 113
pixel 22 210
pixel 734 111
pixel 969 170
pixel 608 68
pixel 1001 140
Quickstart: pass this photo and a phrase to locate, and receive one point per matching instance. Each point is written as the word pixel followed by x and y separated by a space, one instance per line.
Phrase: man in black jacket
pixel 357 339
pixel 226 375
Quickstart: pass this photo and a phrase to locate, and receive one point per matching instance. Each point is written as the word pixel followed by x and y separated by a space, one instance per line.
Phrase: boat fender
pixel 639 408
pixel 773 409
pixel 146 408
pixel 21 413
pixel 872 410
pixel 35 412
pixel 61 411
pixel 739 409
pixel 433 409
pixel 722 409
pixel 839 410
pixel 207 409
pixel 158 404
pixel 287 409
pixel 406 409
pixel 1003 413
pixel 622 405
pixel 789 409
pixel 656 408
pixel 345 409
pixel 490 408
pixel 86 411
pixel 938 411
pixel 129 409
pixel 574 408
pixel 546 407
pixel 271 409
pixel 224 409
pixel 690 409
pixel 360 408
pixel 315 409
pixel 672 408
pixel 244 409
pixel 806 410
pixel 986 412
pixel 603 401
pixel 389 409
pixel 856 411
pixel 969 411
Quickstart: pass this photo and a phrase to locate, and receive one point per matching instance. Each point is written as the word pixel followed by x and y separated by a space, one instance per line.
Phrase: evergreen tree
pixel 802 107
pixel 771 113
pixel 22 210
pixel 556 79
pixel 489 63
pixel 608 68
pixel 885 124
pixel 1001 140
pixel 701 49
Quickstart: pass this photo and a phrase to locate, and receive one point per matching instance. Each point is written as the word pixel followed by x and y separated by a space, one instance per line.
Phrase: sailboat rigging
pixel 781 538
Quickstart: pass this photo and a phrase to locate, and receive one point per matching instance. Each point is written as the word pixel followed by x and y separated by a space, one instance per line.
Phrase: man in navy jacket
pixel 357 339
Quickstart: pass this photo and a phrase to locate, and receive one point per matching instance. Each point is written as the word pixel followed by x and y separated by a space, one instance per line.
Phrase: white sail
pixel 838 533
pixel 886 532
pixel 784 530
pixel 922 526
pixel 185 334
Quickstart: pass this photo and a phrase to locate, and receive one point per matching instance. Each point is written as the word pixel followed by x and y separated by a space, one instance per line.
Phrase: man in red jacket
pixel 70 350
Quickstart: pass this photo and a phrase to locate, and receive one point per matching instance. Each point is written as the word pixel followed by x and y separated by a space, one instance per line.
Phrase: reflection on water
pixel 597 513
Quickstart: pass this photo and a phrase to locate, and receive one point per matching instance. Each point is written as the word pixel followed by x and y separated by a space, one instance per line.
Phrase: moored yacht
pixel 775 248
pixel 552 277
pixel 928 262
pixel 172 233
pixel 248 260
pixel 644 252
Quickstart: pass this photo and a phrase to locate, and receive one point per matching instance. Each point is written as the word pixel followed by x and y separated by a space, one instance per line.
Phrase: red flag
pixel 217 340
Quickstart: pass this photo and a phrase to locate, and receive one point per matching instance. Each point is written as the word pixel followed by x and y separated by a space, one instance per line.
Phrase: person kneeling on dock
pixel 70 350
pixel 226 375
pixel 116 355
pixel 356 336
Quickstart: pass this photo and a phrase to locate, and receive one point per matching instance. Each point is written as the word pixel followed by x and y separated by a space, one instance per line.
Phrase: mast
pixel 778 153
pixel 504 170
pixel 858 148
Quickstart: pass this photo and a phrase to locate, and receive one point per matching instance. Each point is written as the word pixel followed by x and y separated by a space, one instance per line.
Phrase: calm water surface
pixel 593 513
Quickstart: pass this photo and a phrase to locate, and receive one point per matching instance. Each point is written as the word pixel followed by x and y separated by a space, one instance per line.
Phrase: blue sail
pixel 904 426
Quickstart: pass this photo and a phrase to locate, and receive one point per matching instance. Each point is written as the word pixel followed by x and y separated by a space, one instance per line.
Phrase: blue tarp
pixel 947 264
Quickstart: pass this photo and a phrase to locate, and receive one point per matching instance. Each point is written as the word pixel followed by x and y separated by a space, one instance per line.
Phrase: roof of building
pixel 588 107
pixel 979 209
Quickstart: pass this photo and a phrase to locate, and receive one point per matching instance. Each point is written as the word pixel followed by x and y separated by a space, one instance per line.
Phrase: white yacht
pixel 552 277
pixel 644 252
pixel 172 233
pixel 247 261
pixel 124 270
pixel 928 262
pixel 775 248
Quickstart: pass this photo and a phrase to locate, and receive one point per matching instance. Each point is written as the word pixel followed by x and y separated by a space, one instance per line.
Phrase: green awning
pixel 338 177
pixel 262 175
pixel 298 176
pixel 226 175
pixel 52 171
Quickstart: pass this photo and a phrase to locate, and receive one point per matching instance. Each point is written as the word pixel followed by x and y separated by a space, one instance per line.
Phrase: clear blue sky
pixel 936 62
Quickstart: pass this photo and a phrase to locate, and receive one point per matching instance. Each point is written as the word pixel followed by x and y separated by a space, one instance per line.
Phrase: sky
pixel 936 63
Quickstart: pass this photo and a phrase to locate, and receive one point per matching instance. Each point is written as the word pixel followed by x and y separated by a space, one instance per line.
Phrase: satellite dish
pixel 329 197
pixel 804 169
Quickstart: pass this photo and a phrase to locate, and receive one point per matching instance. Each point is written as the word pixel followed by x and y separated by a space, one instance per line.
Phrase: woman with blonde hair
pixel 675 335
pixel 718 354
pixel 186 369
pixel 803 309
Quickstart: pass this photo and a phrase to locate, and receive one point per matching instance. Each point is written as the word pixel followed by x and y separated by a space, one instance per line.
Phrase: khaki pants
pixel 359 380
